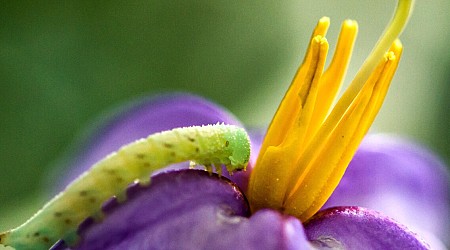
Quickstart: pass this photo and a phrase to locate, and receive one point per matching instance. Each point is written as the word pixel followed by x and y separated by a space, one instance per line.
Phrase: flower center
pixel 310 143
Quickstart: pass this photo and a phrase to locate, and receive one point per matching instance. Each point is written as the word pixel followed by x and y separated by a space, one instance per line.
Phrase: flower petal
pixel 140 119
pixel 190 209
pixel 402 180
pixel 359 228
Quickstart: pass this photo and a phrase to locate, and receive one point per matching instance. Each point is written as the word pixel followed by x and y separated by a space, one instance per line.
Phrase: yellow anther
pixel 310 143
pixel 332 79
pixel 323 164
pixel 295 112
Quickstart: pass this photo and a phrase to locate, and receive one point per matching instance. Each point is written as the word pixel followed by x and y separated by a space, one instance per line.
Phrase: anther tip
pixel 324 20
pixel 320 40
pixel 397 45
pixel 350 24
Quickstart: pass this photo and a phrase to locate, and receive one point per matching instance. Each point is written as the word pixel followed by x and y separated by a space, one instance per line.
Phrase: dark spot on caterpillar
pixel 36 234
pixel 168 145
pixel 173 154
pixel 83 193
pixel 146 165
pixel 57 214
pixel 227 143
pixel 197 149
pixel 140 156
pixel 46 239
pixel 92 200
pixel 119 179
pixel 68 221
pixel 191 139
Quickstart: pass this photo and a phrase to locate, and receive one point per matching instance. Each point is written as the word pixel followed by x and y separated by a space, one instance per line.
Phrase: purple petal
pixel 401 180
pixel 190 209
pixel 359 228
pixel 138 120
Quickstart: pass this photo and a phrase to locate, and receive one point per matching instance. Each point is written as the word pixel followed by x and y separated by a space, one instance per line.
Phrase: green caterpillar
pixel 58 219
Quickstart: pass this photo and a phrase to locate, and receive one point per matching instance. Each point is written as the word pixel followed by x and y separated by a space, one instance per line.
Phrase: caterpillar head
pixel 239 143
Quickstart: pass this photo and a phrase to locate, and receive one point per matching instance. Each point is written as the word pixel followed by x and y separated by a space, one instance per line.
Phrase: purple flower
pixel 286 199
pixel 195 210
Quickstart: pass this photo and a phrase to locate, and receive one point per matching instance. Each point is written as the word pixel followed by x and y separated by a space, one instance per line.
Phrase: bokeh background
pixel 63 63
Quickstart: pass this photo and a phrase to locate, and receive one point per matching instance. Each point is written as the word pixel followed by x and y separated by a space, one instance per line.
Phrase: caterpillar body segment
pixel 206 145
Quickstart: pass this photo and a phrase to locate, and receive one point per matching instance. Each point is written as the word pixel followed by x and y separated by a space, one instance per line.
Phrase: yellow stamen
pixel 284 119
pixel 310 143
pixel 332 79
pixel 284 150
pixel 323 164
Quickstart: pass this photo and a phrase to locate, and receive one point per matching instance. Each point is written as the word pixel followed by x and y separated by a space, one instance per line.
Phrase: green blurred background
pixel 62 63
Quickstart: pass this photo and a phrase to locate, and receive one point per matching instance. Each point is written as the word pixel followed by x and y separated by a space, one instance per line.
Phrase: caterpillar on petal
pixel 205 145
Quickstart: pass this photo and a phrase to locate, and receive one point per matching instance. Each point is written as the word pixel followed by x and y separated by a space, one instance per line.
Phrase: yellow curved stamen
pixel 308 147
pixel 332 79
pixel 282 152
pixel 283 118
pixel 331 156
